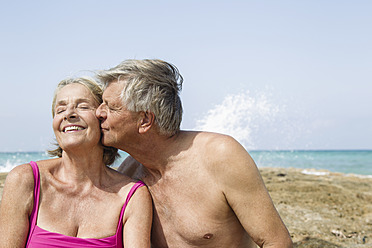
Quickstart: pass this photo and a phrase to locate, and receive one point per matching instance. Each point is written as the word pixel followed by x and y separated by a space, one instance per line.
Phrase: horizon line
pixel 249 150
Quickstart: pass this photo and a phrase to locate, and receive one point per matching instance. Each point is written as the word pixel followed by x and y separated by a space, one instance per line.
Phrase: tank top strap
pixel 33 216
pixel 134 188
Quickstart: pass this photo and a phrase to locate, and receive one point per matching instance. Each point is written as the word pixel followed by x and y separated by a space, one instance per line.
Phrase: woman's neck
pixel 81 167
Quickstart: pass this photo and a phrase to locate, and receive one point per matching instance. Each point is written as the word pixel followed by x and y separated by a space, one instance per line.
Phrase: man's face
pixel 118 125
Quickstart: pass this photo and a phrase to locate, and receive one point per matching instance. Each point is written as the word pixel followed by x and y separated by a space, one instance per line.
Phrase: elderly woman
pixel 75 200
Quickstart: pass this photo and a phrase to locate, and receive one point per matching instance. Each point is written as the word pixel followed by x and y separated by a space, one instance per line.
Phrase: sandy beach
pixel 320 208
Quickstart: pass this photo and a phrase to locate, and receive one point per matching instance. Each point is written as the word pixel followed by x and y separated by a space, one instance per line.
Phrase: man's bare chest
pixel 190 214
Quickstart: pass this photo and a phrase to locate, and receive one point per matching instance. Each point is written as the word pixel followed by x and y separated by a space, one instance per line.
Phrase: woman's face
pixel 75 124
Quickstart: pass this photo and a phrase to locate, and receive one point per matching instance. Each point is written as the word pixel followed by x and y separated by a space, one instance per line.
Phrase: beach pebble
pixel 338 233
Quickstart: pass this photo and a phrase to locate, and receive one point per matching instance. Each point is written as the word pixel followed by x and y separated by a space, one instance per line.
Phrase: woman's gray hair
pixel 109 153
pixel 150 85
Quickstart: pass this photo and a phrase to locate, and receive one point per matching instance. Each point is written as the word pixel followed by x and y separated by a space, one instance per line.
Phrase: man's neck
pixel 157 153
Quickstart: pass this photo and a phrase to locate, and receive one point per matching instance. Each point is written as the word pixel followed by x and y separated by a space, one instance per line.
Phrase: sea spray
pixel 8 160
pixel 241 116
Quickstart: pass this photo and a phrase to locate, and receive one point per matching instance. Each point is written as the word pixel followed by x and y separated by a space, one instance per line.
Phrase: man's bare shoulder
pixel 220 145
pixel 223 155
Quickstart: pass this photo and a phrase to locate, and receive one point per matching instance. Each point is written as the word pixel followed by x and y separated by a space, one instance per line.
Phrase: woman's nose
pixel 70 113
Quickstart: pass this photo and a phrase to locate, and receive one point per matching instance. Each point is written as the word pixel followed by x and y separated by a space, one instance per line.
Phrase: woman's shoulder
pixel 21 175
pixel 48 163
pixel 19 185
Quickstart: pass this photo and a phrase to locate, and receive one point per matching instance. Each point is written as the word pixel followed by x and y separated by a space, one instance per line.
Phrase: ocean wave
pixel 8 166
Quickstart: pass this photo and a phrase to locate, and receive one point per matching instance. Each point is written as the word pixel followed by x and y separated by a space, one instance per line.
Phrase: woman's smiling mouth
pixel 72 128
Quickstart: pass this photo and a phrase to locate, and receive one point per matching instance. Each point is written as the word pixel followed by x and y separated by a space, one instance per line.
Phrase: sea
pixel 344 161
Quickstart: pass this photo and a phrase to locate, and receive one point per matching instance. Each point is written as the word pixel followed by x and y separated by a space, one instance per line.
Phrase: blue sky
pixel 297 73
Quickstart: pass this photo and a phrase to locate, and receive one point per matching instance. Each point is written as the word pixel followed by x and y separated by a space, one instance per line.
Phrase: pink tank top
pixel 39 237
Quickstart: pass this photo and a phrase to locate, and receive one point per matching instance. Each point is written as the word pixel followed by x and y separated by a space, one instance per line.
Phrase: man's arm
pixel 245 192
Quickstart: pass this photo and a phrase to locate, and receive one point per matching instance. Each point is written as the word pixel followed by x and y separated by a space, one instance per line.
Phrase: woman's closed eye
pixel 85 106
pixel 60 110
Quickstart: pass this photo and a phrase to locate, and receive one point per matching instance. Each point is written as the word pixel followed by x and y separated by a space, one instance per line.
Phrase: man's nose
pixel 101 113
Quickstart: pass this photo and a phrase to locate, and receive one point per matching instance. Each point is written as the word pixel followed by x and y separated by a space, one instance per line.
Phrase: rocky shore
pixel 322 209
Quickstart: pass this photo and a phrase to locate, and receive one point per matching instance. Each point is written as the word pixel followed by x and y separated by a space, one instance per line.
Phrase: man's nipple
pixel 208 236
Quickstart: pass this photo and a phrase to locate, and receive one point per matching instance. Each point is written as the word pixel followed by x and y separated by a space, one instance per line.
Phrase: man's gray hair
pixel 150 85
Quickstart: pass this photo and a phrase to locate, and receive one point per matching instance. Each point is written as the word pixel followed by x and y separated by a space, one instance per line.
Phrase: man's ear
pixel 146 121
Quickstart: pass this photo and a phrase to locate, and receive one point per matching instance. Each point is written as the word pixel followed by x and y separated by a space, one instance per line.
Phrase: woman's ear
pixel 147 119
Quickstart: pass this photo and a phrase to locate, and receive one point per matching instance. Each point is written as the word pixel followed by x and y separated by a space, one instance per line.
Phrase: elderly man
pixel 206 189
